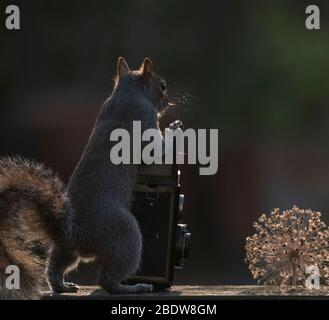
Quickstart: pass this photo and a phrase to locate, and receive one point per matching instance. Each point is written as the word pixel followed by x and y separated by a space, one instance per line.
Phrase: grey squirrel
pixel 91 219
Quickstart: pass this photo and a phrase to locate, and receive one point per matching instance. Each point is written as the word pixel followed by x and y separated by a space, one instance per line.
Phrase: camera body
pixel 158 206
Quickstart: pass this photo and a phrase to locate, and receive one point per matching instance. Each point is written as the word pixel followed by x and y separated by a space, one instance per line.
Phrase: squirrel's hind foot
pixel 72 286
pixel 67 287
pixel 125 288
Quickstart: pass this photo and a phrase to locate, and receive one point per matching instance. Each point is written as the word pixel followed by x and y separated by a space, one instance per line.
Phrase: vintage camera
pixel 158 206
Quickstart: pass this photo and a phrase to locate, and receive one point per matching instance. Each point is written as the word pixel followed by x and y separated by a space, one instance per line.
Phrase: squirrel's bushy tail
pixel 32 209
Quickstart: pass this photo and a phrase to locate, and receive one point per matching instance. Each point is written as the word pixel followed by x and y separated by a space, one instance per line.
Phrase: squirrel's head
pixel 152 85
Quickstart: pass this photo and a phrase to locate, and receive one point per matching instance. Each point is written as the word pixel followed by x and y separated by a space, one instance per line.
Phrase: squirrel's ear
pixel 122 68
pixel 147 67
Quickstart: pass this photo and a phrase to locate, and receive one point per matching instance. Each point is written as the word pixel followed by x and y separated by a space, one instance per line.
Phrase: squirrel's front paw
pixel 176 124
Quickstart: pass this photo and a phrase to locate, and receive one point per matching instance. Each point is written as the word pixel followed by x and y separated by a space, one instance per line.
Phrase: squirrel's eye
pixel 163 86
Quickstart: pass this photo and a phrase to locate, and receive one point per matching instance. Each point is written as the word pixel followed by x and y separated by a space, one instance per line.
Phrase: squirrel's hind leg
pixel 121 257
pixel 61 262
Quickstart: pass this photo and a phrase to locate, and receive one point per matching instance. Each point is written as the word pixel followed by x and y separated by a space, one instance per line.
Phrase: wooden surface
pixel 181 292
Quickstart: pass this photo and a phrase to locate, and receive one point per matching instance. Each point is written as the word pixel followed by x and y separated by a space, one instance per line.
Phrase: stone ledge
pixel 201 292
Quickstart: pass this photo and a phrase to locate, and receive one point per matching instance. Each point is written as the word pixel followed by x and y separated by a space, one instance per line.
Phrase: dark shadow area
pixel 249 68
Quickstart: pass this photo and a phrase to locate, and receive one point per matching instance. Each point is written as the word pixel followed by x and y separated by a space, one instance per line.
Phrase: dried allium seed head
pixel 285 243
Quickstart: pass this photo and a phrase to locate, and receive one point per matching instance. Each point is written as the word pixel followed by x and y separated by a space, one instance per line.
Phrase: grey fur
pixel 101 224
pixel 32 214
pixel 91 220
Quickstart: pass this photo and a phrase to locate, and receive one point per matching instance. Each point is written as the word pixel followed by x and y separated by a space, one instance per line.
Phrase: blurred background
pixel 249 68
